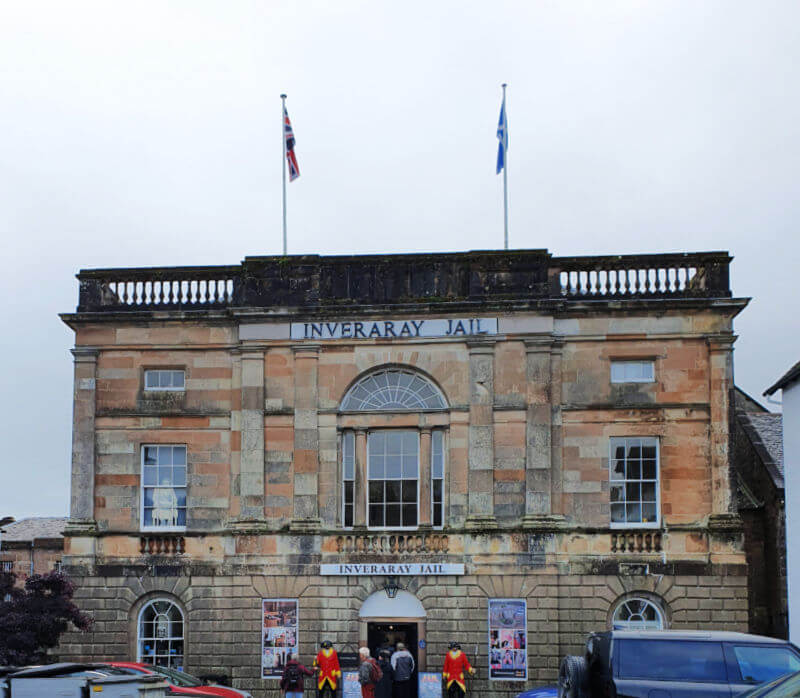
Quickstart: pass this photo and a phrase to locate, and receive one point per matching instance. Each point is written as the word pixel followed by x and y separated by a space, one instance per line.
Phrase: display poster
pixel 350 686
pixel 430 685
pixel 278 635
pixel 508 639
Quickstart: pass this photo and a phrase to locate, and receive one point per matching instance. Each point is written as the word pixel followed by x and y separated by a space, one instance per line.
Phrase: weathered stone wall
pixel 223 616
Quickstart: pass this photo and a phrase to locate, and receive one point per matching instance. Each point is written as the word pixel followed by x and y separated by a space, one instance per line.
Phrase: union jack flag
pixel 291 158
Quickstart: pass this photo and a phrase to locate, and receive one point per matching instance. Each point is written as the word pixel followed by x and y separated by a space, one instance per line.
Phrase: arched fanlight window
pixel 393 389
pixel 160 634
pixel 638 614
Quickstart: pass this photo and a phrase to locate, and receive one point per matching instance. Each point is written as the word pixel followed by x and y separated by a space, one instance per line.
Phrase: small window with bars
pixel 348 478
pixel 632 372
pixel 437 478
pixel 160 379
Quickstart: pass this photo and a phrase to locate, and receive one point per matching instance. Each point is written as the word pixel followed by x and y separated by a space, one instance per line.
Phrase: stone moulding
pixel 412 543
pixel 162 545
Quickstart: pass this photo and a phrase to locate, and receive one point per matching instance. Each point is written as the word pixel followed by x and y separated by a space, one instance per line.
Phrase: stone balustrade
pixel 636 542
pixel 315 281
pixel 162 545
pixel 393 544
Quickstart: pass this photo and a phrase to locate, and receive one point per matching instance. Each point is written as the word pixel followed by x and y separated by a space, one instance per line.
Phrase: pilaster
pixel 425 477
pixel 720 349
pixel 251 476
pixel 538 460
pixel 306 438
pixel 84 401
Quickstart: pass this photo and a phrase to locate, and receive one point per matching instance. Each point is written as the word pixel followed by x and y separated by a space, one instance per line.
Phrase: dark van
pixel 674 664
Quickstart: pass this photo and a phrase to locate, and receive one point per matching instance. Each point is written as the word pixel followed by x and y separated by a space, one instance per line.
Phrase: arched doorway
pixel 384 621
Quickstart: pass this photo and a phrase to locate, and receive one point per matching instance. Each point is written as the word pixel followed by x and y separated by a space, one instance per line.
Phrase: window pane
pixel 618 513
pixel 165 475
pixel 760 664
pixel 394 466
pixel 181 517
pixel 147 517
pixel 633 512
pixel 393 515
pixel 617 372
pixel 376 491
pixel 437 515
pixel 376 467
pixel 393 491
pixel 648 451
pixel 648 470
pixel 394 442
pixel 348 455
pixel 150 379
pixel 179 477
pixel 180 496
pixel 634 469
pixel 437 490
pixel 648 491
pixel 649 512
pixel 409 490
pixel 618 471
pixel 409 442
pixel 177 379
pixel 150 475
pixel 668 660
pixel 376 442
pixel 148 497
pixel 410 466
pixel 150 455
pixel 348 515
pixel 179 455
pixel 376 515
pixel 617 493
pixel 165 455
pixel 409 515
pixel 348 491
pixel 634 449
pixel 633 492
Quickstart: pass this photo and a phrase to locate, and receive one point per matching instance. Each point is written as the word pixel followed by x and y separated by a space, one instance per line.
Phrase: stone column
pixel 251 476
pixel 538 461
pixel 81 515
pixel 481 436
pixel 360 489
pixel 425 477
pixel 556 429
pixel 720 358
pixel 306 439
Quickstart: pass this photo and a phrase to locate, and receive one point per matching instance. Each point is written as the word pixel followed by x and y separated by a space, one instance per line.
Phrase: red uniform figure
pixel 329 672
pixel 456 666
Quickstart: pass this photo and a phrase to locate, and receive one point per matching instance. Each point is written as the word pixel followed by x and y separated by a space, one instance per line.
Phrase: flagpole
pixel 505 171
pixel 283 165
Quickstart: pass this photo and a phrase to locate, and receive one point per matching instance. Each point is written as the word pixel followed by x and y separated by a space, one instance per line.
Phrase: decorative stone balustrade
pixel 313 281
pixel 393 544
pixel 162 545
pixel 665 275
pixel 636 542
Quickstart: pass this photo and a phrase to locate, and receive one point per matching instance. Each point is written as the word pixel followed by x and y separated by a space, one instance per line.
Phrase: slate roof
pixel 790 376
pixel 35 527
pixel 765 431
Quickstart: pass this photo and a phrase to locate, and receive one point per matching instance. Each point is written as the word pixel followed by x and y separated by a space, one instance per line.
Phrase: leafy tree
pixel 33 618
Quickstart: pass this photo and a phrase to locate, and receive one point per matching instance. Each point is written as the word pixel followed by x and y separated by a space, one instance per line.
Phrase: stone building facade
pixel 396 444
pixel 33 545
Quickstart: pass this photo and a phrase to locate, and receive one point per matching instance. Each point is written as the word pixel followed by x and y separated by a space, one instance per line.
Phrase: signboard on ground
pixel 430 685
pixel 350 686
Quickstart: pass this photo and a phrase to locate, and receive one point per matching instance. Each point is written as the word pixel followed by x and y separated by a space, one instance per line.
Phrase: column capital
pixel 252 353
pixel 85 354
pixel 484 345
pixel 541 343
pixel 311 349
pixel 426 431
pixel 723 341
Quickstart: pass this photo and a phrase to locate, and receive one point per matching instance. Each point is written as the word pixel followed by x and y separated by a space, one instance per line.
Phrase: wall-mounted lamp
pixel 391 587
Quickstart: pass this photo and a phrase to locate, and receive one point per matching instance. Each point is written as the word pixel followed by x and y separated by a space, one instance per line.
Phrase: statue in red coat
pixel 327 662
pixel 456 667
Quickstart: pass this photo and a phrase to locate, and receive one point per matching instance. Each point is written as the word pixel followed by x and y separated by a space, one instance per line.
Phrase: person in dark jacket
pixel 403 665
pixel 292 679
pixel 383 688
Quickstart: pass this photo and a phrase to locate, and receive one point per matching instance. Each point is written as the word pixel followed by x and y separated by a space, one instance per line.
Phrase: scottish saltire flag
pixel 291 158
pixel 502 136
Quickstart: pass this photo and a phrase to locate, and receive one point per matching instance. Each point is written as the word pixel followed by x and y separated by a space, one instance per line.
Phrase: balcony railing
pixel 636 542
pixel 393 544
pixel 313 281
pixel 162 545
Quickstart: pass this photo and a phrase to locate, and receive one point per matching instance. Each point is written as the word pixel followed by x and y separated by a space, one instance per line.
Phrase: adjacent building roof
pixel 790 376
pixel 765 431
pixel 35 527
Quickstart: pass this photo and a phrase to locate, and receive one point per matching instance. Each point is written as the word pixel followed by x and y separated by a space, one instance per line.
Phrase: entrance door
pixel 386 636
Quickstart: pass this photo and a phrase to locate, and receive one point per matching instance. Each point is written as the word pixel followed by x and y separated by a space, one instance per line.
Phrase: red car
pixel 180 683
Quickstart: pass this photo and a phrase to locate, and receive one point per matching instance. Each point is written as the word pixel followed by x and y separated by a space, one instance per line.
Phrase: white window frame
pixel 441 432
pixel 368 480
pixel 143 659
pixel 165 389
pixel 613 442
pixel 348 434
pixel 623 364
pixel 142 486
pixel 7 565
pixel 637 625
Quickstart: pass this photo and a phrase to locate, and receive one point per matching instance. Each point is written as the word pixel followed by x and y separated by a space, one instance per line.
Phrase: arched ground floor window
pixel 638 613
pixel 160 634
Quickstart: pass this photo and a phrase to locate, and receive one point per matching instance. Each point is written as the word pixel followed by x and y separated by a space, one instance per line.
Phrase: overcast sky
pixel 148 133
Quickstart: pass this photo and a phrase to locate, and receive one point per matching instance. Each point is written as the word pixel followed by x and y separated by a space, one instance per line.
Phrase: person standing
pixel 383 689
pixel 327 662
pixel 292 679
pixel 403 667
pixel 369 673
pixel 456 667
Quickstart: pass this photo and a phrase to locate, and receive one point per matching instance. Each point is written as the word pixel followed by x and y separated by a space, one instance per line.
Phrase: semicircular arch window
pixel 160 634
pixel 638 614
pixel 393 389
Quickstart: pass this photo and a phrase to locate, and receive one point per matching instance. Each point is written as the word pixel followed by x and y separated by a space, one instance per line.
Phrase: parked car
pixel 543 692
pixel 642 664
pixel 76 680
pixel 783 687
pixel 180 682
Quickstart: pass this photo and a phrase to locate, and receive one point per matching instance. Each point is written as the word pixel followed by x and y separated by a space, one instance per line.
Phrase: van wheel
pixel 573 678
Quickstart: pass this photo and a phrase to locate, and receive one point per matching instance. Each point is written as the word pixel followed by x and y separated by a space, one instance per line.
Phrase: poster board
pixel 350 686
pixel 508 640
pixel 278 635
pixel 430 684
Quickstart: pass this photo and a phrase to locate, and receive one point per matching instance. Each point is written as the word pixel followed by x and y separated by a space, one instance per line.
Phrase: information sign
pixel 430 685
pixel 278 635
pixel 508 639
pixel 350 686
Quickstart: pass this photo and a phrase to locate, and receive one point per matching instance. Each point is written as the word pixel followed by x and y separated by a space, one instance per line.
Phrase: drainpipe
pixel 31 572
